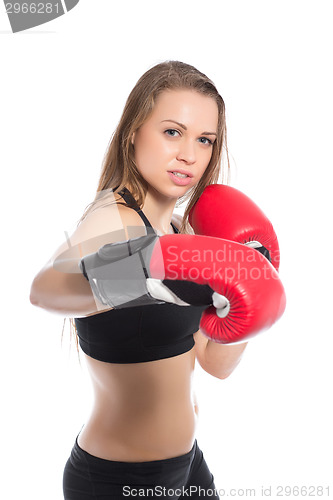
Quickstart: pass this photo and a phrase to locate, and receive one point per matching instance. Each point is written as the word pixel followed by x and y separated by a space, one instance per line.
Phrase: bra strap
pixel 176 230
pixel 126 195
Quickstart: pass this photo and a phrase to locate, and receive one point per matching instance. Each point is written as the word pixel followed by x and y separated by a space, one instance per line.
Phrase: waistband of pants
pixel 79 455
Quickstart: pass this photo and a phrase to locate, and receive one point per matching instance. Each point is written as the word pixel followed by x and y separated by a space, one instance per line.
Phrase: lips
pixel 181 171
pixel 180 180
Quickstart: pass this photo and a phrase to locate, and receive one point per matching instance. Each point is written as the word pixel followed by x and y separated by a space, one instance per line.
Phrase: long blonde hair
pixel 119 168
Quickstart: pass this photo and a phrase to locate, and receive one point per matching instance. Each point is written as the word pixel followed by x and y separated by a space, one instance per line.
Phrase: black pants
pixel 87 477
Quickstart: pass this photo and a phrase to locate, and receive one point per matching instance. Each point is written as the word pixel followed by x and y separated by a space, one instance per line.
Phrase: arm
pixel 219 360
pixel 239 219
pixel 59 286
pixel 62 293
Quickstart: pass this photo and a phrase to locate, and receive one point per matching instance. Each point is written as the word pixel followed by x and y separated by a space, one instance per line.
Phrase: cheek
pixel 205 158
pixel 151 150
pixel 142 148
pixel 205 162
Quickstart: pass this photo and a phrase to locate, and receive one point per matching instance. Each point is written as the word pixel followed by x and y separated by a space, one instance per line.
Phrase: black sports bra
pixel 142 333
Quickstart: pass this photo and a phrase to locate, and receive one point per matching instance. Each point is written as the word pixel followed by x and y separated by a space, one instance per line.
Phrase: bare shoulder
pixel 105 223
pixel 114 220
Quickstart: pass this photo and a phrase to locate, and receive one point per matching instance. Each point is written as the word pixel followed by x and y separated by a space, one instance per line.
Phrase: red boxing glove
pixel 249 295
pixel 225 212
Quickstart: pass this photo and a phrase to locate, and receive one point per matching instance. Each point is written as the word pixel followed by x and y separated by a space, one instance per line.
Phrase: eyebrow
pixel 185 128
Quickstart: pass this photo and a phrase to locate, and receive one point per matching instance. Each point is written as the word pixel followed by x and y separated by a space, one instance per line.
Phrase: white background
pixel 63 86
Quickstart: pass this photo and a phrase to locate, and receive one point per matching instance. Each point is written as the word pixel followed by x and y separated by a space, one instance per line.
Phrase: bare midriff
pixel 142 411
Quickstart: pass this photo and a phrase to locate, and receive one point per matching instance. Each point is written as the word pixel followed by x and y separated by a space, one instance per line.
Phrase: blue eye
pixel 171 132
pixel 205 140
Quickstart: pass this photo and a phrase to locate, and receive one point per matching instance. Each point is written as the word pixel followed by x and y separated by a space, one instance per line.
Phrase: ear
pixel 133 138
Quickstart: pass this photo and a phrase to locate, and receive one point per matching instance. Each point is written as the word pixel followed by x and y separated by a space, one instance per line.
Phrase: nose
pixel 186 152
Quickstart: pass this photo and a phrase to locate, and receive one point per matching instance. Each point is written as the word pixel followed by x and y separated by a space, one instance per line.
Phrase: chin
pixel 176 192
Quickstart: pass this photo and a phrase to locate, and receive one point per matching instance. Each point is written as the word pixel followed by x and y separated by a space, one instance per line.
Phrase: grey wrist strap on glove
pixel 118 274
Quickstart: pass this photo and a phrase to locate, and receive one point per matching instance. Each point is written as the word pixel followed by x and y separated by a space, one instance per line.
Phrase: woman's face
pixel 174 146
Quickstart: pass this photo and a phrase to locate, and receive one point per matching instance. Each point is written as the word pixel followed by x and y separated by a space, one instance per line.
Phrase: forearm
pixel 220 360
pixel 63 293
pixel 224 357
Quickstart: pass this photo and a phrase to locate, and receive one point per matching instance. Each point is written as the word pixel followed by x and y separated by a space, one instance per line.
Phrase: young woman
pixel 141 432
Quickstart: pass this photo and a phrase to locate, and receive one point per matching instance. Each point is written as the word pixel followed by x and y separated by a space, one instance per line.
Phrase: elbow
pixel 225 372
pixel 43 297
pixel 40 291
pixel 222 375
pixel 34 296
pixel 40 298
pixel 33 299
pixel 217 371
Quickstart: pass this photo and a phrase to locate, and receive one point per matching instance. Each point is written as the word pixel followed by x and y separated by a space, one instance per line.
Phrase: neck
pixel 159 209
